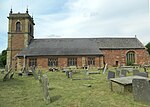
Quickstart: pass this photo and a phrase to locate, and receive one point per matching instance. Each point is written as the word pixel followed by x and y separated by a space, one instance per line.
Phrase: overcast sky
pixel 81 18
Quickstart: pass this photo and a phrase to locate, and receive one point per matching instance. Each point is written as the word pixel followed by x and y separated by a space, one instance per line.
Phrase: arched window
pixel 18 27
pixel 130 58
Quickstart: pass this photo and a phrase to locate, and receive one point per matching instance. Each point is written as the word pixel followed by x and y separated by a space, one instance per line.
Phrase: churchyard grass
pixel 23 91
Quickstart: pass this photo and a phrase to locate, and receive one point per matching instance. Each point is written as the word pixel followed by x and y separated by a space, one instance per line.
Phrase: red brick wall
pixel 97 61
pixel 111 56
pixel 62 61
pixel 42 61
pixel 79 61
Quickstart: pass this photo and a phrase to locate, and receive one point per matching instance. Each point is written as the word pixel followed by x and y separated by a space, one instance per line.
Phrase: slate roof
pixel 78 46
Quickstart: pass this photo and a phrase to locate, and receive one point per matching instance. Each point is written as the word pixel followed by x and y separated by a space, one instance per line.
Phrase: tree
pixel 148 47
pixel 3 56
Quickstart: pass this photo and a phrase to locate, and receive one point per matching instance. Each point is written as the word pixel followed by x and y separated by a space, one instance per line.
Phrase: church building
pixel 25 51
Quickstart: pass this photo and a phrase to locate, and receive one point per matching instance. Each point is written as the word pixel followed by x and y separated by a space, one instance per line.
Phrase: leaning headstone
pixel 6 77
pixel 34 73
pixel 105 68
pixel 141 90
pixel 135 71
pixel 45 85
pixel 110 75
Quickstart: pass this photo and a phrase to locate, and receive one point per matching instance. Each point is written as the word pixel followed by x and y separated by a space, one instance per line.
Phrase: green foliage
pixel 148 47
pixel 3 57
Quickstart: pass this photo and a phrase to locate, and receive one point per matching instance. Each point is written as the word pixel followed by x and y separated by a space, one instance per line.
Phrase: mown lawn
pixel 27 92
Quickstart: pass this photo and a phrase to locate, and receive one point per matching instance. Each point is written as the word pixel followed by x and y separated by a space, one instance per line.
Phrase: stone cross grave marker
pixel 45 86
pixel 141 90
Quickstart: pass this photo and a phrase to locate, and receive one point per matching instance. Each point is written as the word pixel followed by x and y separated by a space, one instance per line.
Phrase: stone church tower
pixel 20 34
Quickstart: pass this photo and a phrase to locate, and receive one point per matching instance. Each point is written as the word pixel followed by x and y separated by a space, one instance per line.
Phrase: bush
pixel 148 47
pixel 3 57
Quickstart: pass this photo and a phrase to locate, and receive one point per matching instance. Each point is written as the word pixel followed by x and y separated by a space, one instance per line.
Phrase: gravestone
pixel 6 77
pixel 123 73
pixel 143 74
pixel 110 75
pixel 135 71
pixel 70 75
pixel 105 68
pixel 34 73
pixel 141 90
pixel 117 72
pixel 45 86
pixel 67 73
pixel 40 76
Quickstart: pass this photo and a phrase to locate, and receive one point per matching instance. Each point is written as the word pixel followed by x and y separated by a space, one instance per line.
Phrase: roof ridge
pixel 89 38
